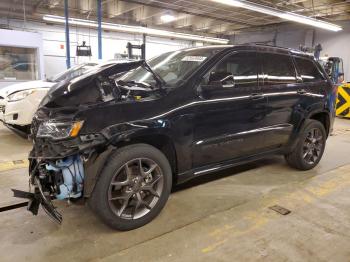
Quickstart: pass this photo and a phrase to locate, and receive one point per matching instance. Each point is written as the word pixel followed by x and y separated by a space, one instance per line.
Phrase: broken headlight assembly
pixel 59 130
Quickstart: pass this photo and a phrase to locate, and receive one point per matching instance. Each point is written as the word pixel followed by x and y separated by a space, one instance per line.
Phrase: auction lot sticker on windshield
pixel 194 58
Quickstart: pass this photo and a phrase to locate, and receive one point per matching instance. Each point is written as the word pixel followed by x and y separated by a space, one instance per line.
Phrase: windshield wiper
pixel 160 81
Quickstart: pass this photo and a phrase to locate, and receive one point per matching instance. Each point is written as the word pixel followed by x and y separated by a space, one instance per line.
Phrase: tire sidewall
pixel 99 198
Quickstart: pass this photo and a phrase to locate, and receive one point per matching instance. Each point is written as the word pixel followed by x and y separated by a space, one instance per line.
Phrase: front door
pixel 230 111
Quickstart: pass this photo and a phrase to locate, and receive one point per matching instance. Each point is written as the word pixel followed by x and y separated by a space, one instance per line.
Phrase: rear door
pixel 280 86
pixel 314 85
pixel 313 80
pixel 228 120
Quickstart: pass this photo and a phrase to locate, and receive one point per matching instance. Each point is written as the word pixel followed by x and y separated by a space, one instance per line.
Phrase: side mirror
pixel 221 79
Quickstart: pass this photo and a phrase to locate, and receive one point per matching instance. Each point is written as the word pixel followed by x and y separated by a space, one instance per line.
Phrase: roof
pixel 257 47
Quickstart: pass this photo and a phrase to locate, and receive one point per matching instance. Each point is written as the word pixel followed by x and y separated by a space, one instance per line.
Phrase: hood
pixel 4 92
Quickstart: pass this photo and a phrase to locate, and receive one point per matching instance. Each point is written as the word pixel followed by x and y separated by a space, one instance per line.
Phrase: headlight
pixel 20 95
pixel 56 130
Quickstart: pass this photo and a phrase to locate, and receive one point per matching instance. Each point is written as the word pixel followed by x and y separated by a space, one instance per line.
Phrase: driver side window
pixel 236 70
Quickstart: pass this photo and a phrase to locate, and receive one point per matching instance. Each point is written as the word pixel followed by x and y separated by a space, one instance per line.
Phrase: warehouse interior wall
pixel 292 36
pixel 113 43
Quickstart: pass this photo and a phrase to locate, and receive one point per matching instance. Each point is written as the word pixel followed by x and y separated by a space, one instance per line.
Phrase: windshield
pixel 172 67
pixel 71 73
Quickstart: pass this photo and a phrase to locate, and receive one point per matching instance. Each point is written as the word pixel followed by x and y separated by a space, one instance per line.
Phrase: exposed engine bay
pixel 111 89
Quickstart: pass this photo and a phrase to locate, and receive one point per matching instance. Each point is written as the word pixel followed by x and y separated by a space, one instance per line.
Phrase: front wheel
pixel 309 150
pixel 133 187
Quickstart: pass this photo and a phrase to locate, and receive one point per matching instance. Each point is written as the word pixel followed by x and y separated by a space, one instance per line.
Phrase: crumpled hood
pixel 8 90
pixel 83 90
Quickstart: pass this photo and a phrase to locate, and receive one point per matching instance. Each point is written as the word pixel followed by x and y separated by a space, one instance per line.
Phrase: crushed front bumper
pixel 38 198
pixel 63 170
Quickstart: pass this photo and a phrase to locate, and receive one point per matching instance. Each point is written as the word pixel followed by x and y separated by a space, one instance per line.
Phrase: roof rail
pixel 292 50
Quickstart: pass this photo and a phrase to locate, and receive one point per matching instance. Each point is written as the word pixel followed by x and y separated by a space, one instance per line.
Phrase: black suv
pixel 122 135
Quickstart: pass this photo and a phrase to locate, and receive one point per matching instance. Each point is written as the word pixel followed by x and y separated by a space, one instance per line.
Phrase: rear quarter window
pixel 278 69
pixel 308 70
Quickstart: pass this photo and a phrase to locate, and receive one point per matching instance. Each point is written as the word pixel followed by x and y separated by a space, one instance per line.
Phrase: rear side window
pixel 308 70
pixel 278 69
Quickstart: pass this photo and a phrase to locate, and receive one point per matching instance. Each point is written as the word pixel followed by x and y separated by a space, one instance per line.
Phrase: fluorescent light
pixel 230 2
pixel 310 21
pixel 136 29
pixel 167 18
pixel 281 14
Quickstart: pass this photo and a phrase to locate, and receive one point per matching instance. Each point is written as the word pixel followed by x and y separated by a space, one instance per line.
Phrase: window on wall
pixel 308 70
pixel 18 63
pixel 278 69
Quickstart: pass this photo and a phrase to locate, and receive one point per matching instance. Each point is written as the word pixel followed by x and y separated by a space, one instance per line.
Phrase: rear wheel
pixel 133 187
pixel 309 150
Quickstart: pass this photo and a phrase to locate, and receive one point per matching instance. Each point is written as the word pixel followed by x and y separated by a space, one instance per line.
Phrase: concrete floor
pixel 219 217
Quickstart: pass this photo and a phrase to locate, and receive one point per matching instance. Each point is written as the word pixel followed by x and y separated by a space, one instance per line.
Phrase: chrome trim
pixel 200 102
pixel 263 129
pixel 292 93
pixel 232 136
pixel 231 99
pixel 207 170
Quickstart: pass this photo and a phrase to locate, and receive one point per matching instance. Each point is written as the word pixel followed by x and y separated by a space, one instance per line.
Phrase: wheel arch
pixel 318 115
pixel 322 117
pixel 162 142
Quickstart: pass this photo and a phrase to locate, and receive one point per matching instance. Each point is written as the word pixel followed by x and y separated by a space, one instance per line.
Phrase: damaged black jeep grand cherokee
pixel 122 135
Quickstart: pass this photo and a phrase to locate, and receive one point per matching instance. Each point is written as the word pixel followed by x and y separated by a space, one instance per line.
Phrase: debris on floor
pixel 281 210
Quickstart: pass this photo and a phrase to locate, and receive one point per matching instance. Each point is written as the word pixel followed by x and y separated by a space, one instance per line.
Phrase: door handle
pixel 256 96
pixel 301 91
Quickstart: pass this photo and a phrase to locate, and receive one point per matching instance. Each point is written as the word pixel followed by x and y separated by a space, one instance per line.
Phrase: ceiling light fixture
pixel 167 18
pixel 281 14
pixel 135 29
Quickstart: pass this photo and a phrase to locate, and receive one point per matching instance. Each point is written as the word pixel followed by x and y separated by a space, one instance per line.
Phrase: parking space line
pixel 16 164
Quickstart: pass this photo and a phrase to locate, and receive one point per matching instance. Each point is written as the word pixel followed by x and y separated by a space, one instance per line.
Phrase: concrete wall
pixel 333 43
pixel 284 36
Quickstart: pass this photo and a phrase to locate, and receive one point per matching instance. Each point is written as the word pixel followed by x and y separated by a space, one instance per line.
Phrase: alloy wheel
pixel 135 188
pixel 312 147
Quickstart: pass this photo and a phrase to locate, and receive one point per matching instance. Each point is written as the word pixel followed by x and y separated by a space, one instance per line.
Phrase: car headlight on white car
pixel 59 130
pixel 20 95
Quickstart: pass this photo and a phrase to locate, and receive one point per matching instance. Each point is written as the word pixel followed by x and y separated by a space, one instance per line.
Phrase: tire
pixel 122 162
pixel 296 158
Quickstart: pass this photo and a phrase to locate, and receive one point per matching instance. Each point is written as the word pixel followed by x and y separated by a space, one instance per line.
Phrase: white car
pixel 19 102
